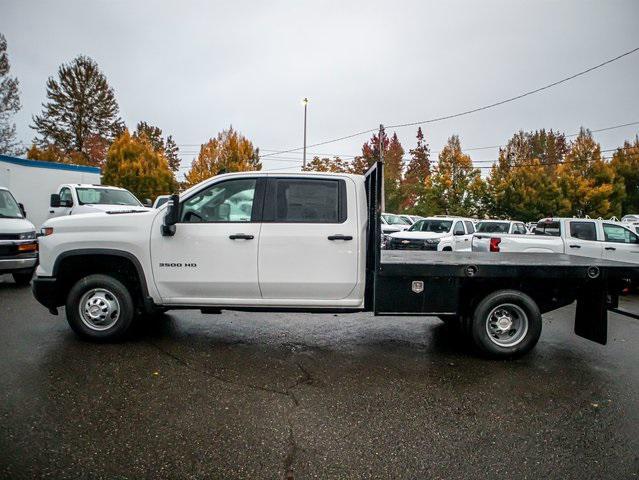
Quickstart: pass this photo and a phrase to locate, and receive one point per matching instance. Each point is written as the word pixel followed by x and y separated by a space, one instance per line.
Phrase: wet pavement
pixel 250 395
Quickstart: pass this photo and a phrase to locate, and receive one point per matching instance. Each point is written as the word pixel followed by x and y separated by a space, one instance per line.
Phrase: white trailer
pixel 32 182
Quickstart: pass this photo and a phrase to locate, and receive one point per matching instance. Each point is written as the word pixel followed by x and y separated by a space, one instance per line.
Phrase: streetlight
pixel 305 103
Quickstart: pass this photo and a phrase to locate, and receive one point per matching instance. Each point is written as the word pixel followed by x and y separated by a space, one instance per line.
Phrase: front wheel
pixel 100 307
pixel 506 323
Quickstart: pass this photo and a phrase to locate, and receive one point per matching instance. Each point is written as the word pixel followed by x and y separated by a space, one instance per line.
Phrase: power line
pixel 517 97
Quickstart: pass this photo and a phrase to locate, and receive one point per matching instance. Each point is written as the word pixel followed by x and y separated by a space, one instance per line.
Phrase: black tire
pixel 516 307
pixel 114 327
pixel 22 279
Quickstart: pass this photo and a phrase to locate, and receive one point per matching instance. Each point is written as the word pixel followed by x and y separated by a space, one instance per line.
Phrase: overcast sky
pixel 195 67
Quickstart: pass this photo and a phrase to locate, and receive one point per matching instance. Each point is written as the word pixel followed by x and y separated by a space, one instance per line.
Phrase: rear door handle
pixel 241 236
pixel 340 237
pixel 575 246
pixel 611 248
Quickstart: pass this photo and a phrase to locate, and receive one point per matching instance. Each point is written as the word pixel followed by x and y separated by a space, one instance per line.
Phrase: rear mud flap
pixel 591 317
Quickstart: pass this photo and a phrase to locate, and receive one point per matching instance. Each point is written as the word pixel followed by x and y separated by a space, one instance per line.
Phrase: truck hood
pixel 98 207
pixel 15 225
pixel 96 221
pixel 418 235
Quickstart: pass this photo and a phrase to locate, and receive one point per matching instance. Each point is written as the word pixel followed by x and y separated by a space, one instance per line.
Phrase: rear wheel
pixel 100 307
pixel 506 323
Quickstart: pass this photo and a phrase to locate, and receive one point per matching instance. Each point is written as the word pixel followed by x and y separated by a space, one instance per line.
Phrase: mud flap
pixel 591 317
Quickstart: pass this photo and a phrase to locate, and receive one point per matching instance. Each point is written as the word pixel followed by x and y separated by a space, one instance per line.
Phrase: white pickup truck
pixel 78 198
pixel 307 242
pixel 574 236
pixel 442 234
pixel 18 244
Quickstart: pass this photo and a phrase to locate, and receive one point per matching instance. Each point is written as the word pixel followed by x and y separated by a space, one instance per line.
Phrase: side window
pixel 519 229
pixel 583 230
pixel 304 200
pixel 459 229
pixel 226 202
pixel 617 234
pixel 66 199
pixel 469 226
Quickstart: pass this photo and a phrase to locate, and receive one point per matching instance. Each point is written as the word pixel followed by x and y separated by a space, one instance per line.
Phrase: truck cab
pixel 74 199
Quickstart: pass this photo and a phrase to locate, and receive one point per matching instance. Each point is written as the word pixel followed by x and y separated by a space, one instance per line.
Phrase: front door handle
pixel 575 246
pixel 241 236
pixel 340 237
pixel 611 248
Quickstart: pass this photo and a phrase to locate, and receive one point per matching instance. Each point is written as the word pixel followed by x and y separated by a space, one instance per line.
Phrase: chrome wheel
pixel 507 325
pixel 99 309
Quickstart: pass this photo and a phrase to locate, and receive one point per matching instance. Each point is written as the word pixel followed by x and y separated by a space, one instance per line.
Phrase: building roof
pixel 51 165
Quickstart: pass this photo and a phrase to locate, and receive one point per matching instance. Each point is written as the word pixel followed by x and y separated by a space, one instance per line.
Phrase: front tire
pixel 100 308
pixel 22 279
pixel 506 324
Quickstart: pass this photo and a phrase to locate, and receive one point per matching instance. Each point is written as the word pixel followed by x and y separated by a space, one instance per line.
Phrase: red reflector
pixel 28 247
pixel 494 244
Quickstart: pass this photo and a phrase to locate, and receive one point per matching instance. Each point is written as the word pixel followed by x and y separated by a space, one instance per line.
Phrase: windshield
pixel 106 196
pixel 493 227
pixel 161 201
pixel 8 206
pixel 436 226
pixel 392 219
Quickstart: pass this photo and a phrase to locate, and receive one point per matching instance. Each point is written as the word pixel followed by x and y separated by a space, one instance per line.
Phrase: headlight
pixel 27 236
pixel 431 241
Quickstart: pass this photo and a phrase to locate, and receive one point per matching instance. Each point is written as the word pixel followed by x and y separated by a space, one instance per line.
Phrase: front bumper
pixel 46 291
pixel 16 263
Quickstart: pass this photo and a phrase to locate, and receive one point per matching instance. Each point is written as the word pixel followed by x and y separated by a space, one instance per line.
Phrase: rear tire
pixel 22 279
pixel 506 324
pixel 100 308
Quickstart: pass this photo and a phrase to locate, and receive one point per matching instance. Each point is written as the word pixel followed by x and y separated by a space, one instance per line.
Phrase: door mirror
pixel 22 210
pixel 147 202
pixel 172 215
pixel 55 200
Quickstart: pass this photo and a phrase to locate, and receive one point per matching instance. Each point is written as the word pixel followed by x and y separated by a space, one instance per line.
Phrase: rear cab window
pixel 305 200
pixel 583 230
pixel 549 228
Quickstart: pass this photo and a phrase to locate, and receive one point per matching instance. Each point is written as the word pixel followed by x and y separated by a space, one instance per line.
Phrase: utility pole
pixel 305 102
pixel 381 159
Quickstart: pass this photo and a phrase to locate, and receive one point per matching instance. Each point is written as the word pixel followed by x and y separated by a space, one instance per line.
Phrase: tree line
pixel 537 174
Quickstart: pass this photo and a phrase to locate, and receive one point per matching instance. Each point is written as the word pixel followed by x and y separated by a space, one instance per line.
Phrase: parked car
pixel 574 236
pixel 411 218
pixel 501 226
pixel 452 234
pixel 161 200
pixel 632 222
pixel 394 223
pixel 18 243
pixel 74 199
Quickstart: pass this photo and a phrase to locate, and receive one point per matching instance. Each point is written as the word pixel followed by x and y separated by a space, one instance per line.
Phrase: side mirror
pixel 22 210
pixel 172 215
pixel 55 200
pixel 147 202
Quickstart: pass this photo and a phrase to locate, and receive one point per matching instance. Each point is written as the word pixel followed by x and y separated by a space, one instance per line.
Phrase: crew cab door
pixel 620 243
pixel 212 258
pixel 461 238
pixel 581 239
pixel 309 239
pixel 66 204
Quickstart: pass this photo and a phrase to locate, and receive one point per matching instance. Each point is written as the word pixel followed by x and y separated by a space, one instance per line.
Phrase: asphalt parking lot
pixel 242 395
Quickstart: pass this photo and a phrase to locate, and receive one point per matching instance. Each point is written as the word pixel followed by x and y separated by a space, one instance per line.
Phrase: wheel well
pixel 447 249
pixel 73 268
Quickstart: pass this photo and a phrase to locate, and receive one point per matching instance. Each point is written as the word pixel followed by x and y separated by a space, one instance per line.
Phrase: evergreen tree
pixel 335 165
pixel 9 104
pixel 416 182
pixel 81 105
pixel 625 162
pixel 167 147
